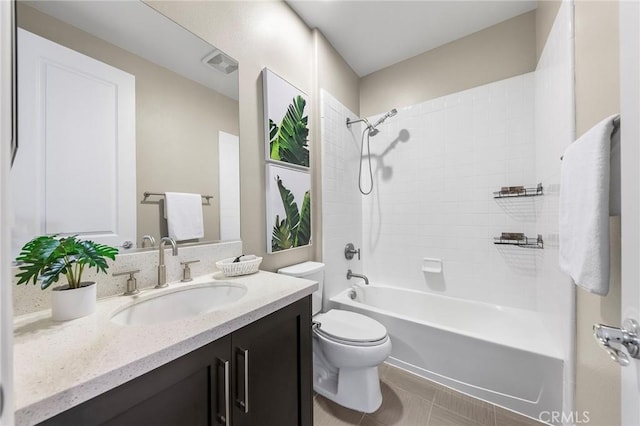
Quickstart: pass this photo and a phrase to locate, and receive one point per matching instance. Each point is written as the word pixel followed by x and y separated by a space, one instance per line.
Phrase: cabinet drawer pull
pixel 223 419
pixel 244 402
pixel 227 408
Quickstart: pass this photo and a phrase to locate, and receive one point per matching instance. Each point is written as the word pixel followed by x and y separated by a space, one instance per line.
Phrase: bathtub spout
pixel 351 275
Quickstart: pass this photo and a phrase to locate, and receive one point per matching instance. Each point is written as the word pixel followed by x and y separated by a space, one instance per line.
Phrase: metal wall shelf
pixel 524 242
pixel 519 191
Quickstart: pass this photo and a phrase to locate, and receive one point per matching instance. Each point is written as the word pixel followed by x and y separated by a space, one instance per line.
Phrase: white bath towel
pixel 184 215
pixel 584 209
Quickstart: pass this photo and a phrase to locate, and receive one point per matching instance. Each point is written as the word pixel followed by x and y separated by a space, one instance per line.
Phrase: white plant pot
pixel 68 304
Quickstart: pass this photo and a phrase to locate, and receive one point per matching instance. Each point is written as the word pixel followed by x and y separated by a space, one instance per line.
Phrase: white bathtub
pixel 498 354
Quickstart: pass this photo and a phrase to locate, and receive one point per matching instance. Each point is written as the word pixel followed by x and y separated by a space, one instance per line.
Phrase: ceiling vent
pixel 220 62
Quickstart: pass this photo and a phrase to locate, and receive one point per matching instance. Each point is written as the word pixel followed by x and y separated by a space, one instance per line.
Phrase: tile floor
pixel 408 400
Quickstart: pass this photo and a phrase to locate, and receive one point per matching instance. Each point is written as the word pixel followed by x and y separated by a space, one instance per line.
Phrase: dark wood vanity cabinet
pixel 258 375
pixel 277 354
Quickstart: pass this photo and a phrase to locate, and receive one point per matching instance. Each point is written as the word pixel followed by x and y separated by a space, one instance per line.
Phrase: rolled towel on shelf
pixel 584 208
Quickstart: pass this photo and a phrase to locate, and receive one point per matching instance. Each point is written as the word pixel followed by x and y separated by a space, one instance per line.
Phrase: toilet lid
pixel 350 326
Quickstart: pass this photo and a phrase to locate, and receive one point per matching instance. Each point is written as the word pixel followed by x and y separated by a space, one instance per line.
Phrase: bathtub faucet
pixel 351 275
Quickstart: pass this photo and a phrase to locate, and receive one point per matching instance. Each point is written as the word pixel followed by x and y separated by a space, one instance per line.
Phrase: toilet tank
pixel 313 271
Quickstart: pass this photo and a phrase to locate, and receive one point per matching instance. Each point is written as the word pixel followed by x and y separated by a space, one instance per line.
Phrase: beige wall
pixel 335 75
pixel 177 124
pixel 597 96
pixel 546 13
pixel 258 35
pixel 498 52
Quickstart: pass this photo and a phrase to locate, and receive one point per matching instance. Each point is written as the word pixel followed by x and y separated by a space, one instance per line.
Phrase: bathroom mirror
pixel 154 110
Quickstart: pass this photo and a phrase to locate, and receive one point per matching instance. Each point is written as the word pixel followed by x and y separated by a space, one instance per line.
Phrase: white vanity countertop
pixel 58 365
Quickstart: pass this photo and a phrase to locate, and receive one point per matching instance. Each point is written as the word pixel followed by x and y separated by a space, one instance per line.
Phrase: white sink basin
pixel 189 302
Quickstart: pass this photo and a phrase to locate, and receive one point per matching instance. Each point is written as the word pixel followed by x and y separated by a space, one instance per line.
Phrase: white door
pixel 6 320
pixel 229 185
pixel 630 163
pixel 75 169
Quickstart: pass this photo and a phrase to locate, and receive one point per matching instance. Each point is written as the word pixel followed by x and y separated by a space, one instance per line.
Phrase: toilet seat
pixel 350 328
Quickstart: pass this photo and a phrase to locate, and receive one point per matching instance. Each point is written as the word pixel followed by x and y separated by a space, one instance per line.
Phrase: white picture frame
pixel 286 122
pixel 296 231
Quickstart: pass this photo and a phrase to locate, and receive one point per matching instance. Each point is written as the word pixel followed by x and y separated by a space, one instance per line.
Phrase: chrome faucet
pixel 162 269
pixel 351 275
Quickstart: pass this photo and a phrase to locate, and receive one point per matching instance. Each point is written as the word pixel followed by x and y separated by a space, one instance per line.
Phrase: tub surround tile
pixel 341 200
pixel 554 131
pixel 444 173
pixel 106 355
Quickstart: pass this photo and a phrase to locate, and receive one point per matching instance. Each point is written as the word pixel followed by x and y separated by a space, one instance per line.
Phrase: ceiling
pixel 371 35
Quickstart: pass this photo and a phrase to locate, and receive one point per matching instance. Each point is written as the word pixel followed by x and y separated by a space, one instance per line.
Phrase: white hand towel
pixel 184 215
pixel 584 209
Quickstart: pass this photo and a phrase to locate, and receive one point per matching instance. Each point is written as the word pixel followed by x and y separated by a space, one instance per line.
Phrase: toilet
pixel 347 348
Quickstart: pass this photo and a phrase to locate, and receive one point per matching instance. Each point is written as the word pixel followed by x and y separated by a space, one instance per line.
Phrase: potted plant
pixel 45 258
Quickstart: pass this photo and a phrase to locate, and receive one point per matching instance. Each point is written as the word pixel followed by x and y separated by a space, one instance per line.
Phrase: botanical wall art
pixel 286 120
pixel 288 208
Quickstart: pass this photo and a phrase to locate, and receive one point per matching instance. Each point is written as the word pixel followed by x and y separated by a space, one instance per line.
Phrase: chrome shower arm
pixel 369 126
pixel 350 122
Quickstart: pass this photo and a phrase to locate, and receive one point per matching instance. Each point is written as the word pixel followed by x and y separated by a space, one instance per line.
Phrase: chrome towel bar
pixel 161 194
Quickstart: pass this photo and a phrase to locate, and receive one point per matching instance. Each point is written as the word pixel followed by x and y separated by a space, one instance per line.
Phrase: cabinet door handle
pixel 224 419
pixel 244 402
pixel 227 417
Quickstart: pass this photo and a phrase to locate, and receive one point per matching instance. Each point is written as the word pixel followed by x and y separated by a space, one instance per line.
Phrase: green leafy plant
pixel 45 258
pixel 289 142
pixel 295 229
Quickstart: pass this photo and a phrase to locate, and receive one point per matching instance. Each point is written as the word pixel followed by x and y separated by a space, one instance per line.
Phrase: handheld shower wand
pixel 372 128
pixel 369 131
pixel 384 117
